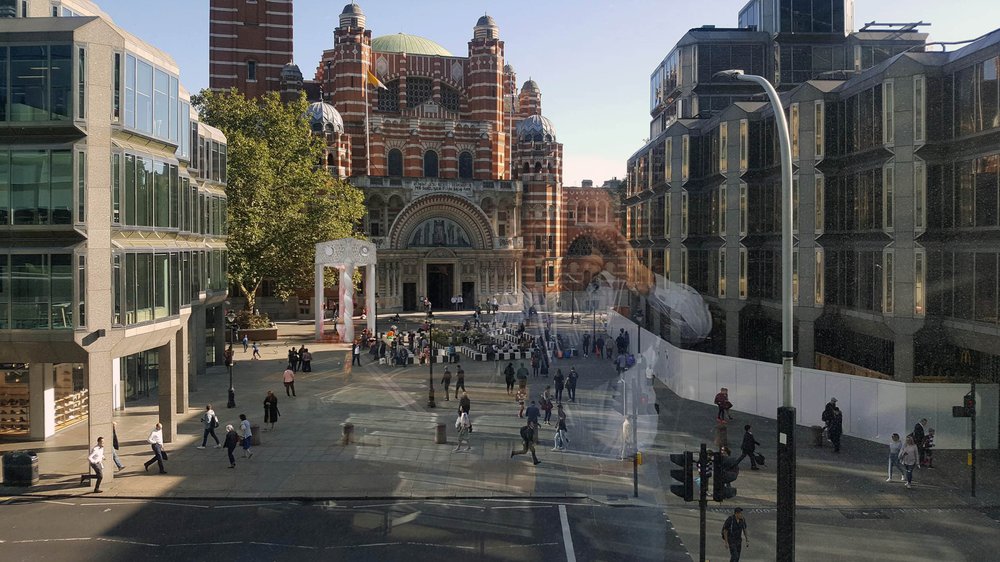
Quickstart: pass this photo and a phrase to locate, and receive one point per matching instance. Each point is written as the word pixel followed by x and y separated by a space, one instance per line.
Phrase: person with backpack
pixel 528 440
pixel 733 532
pixel 210 422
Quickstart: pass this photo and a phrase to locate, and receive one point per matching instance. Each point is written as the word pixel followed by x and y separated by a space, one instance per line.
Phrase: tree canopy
pixel 281 203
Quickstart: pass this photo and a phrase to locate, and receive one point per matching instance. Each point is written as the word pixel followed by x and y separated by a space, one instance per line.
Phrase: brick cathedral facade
pixel 462 173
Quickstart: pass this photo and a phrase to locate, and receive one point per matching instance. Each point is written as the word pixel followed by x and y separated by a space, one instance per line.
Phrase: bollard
pixel 817 431
pixel 348 434
pixel 255 433
pixel 441 435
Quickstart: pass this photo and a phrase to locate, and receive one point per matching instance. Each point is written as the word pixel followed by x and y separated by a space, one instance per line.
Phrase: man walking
pixel 96 459
pixel 459 380
pixel 571 384
pixel 508 375
pixel 528 440
pixel 246 343
pixel 446 381
pixel 560 382
pixel 532 414
pixel 919 432
pixel 834 420
pixel 289 379
pixel 210 422
pixel 256 351
pixel 733 532
pixel 155 441
pixel 356 354
pixel 247 432
pixel 114 447
pixel 748 448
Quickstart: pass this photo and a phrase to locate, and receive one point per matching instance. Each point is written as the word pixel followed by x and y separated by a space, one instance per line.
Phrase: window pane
pixel 161 183
pixel 130 181
pixel 986 287
pixel 62 187
pixel 143 191
pixel 62 291
pixel 144 97
pixel 130 289
pixel 29 290
pixel 161 285
pixel 4 186
pixel 174 199
pixel 395 162
pixel 4 292
pixel 172 109
pixel 29 83
pixel 61 77
pixel 130 91
pixel 143 278
pixel 29 174
pixel 3 88
pixel 116 289
pixel 986 190
pixel 161 113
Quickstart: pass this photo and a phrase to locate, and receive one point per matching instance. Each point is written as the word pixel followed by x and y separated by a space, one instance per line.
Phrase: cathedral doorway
pixel 440 285
pixel 409 296
pixel 468 295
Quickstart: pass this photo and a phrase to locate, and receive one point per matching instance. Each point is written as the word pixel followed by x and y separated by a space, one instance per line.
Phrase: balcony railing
pixel 436 185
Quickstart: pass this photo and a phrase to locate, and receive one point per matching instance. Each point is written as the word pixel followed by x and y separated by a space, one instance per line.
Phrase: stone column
pixel 100 389
pixel 220 334
pixel 806 344
pixel 198 330
pixel 902 367
pixel 42 406
pixel 347 308
pixel 318 300
pixel 181 361
pixel 371 287
pixel 733 333
pixel 167 385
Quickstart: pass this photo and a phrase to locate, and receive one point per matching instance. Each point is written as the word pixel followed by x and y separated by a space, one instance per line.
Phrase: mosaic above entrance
pixel 439 232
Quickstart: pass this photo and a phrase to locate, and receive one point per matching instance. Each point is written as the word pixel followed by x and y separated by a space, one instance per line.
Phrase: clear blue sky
pixel 591 59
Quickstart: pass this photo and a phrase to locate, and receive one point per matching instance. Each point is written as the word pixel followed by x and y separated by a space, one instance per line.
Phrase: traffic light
pixel 970 403
pixel 684 475
pixel 724 471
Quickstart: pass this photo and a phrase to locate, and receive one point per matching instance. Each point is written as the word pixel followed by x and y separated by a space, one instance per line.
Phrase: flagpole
pixel 368 146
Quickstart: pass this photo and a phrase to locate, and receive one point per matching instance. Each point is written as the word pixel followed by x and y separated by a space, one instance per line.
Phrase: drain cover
pixel 864 514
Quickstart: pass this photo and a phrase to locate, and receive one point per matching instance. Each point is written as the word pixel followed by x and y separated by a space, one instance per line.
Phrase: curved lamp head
pixel 732 74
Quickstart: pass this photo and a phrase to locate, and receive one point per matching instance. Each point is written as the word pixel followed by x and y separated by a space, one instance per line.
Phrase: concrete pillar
pixel 100 388
pixel 347 308
pixel 370 288
pixel 167 388
pixel 806 344
pixel 339 318
pixel 902 367
pixel 42 407
pixel 192 349
pixel 733 333
pixel 181 361
pixel 318 300
pixel 198 351
pixel 220 334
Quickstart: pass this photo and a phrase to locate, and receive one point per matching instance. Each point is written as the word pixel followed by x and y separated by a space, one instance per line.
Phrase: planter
pixel 260 334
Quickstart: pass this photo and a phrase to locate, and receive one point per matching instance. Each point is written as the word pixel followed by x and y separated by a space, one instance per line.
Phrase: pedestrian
pixel 210 421
pixel 545 367
pixel 621 363
pixel 535 367
pixel 459 379
pixel 834 420
pixel 626 439
pixel 247 432
pixel 155 441
pixel 271 412
pixel 532 414
pixel 520 397
pixel 256 351
pixel 446 381
pixel 599 346
pixel 306 357
pixel 356 354
pixel 559 381
pixel 528 441
pixel 928 449
pixel 571 384
pixel 463 425
pixel 522 376
pixel 246 343
pixel 114 447
pixel 561 438
pixel 895 447
pixel 722 401
pixel 586 345
pixel 547 408
pixel 96 459
pixel 909 456
pixel 289 378
pixel 733 532
pixel 464 404
pixel 232 439
pixel 919 432
pixel 748 448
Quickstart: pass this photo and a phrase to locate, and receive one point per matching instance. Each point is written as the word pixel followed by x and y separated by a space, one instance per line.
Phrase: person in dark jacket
pixel 748 448
pixel 560 382
pixel 834 420
pixel 919 434
pixel 114 447
pixel 528 440
pixel 271 412
pixel 232 440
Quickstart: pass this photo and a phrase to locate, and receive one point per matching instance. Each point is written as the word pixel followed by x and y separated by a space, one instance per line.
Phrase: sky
pixel 591 60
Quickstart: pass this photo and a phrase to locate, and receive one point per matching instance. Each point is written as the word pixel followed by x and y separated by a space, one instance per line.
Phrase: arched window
pixel 465 165
pixel 538 167
pixel 395 162
pixel 430 164
pixel 527 168
pixel 388 99
pixel 330 160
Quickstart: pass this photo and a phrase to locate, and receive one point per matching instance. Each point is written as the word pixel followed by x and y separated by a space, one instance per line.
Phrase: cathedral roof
pixel 409 44
pixel 352 8
pixel 323 117
pixel 486 20
pixel 536 128
pixel 530 86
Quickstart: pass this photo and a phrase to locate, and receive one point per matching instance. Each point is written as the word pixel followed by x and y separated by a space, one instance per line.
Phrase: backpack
pixel 215 422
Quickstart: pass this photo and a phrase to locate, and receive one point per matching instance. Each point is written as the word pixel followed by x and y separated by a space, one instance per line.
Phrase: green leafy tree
pixel 280 203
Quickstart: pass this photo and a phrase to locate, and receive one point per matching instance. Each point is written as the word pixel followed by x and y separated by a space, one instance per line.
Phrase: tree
pixel 280 202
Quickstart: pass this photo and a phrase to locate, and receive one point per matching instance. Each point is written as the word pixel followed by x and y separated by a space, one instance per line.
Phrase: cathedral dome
pixel 291 73
pixel 486 20
pixel 536 128
pixel 352 8
pixel 324 118
pixel 409 44
pixel 530 86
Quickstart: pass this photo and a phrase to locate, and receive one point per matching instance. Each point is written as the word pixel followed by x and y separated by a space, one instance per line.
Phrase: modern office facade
pixel 895 197
pixel 112 212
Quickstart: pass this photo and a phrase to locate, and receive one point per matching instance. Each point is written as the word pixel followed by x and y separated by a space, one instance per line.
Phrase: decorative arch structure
pixel 459 210
pixel 345 254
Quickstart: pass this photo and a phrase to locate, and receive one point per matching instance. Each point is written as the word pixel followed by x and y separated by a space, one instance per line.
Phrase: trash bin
pixel 441 434
pixel 20 468
pixel 255 432
pixel 817 431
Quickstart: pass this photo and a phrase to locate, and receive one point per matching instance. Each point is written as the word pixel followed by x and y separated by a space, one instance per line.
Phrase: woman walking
pixel 247 436
pixel 560 382
pixel 520 397
pixel 210 422
pixel 895 446
pixel 547 408
pixel 232 439
pixel 909 457
pixel 271 409
pixel 561 439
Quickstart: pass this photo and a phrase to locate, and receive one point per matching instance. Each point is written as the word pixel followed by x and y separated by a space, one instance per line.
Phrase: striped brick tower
pixel 485 87
pixel 244 35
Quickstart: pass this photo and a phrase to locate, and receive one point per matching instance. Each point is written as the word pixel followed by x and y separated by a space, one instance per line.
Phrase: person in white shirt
pixel 96 459
pixel 156 443
pixel 210 421
pixel 247 436
pixel 463 424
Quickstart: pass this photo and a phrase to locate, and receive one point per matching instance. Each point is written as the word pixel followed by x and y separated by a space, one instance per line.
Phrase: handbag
pixel 215 422
pixel 759 458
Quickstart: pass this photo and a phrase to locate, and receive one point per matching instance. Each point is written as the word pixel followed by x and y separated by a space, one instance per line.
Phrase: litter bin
pixel 441 435
pixel 348 434
pixel 255 432
pixel 20 468
pixel 817 431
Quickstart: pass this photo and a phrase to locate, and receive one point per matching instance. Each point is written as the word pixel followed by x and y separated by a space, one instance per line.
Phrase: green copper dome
pixel 409 44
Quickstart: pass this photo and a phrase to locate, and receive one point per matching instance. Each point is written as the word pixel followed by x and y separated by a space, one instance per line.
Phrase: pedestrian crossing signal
pixel 684 475
pixel 725 471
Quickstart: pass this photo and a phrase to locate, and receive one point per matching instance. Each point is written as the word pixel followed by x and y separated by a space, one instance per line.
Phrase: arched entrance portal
pixel 440 280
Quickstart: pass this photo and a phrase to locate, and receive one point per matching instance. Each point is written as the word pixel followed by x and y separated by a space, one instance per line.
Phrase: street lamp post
pixel 430 361
pixel 635 404
pixel 786 413
pixel 593 313
pixel 231 318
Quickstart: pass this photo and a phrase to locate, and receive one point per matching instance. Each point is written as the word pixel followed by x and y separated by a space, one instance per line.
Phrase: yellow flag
pixel 374 81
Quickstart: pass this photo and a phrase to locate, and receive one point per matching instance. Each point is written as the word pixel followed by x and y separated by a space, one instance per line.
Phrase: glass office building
pixel 112 211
